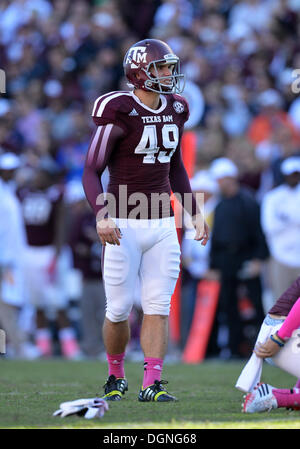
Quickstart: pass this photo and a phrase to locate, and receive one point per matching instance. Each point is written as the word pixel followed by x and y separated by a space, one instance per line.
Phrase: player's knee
pixel 117 313
pixel 157 305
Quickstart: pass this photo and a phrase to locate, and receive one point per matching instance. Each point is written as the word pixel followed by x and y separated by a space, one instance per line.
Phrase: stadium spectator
pixel 145 11
pixel 242 152
pixel 271 115
pixel 281 223
pixel 238 249
pixel 10 139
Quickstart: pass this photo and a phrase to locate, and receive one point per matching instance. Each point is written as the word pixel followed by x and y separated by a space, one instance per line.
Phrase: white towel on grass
pixel 87 408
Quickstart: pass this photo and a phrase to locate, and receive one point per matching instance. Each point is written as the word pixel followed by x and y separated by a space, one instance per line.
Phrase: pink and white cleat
pixel 261 399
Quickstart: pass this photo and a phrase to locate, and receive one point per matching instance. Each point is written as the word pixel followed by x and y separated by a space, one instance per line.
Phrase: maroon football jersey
pixel 286 301
pixel 40 214
pixel 146 160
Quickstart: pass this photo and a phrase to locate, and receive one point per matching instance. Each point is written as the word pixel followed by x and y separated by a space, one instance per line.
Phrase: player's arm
pixel 103 143
pixel 180 184
pixel 277 341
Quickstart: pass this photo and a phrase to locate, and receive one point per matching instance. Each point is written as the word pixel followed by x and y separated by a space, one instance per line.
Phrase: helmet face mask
pixel 173 83
pixel 142 64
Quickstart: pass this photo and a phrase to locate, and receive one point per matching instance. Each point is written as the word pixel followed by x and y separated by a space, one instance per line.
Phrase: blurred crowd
pixel 240 59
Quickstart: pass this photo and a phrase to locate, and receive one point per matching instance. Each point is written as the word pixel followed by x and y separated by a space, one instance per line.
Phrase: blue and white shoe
pixel 261 399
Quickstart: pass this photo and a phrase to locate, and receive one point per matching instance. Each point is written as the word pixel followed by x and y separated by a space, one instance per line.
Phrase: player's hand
pixel 108 232
pixel 267 349
pixel 202 230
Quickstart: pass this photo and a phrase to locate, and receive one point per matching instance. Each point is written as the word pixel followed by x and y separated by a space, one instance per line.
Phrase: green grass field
pixel 31 391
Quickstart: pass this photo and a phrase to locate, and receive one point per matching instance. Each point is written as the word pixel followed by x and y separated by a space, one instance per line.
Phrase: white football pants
pixel 148 251
pixel 44 292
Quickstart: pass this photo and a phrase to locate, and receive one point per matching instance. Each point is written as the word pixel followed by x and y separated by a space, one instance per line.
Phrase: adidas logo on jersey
pixel 133 112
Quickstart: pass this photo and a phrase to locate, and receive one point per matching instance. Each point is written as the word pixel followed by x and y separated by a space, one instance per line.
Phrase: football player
pixel 137 137
pixel 279 326
pixel 46 261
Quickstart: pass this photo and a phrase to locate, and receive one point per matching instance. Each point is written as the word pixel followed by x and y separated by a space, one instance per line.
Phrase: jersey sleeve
pixel 106 110
pixel 288 298
pixel 103 143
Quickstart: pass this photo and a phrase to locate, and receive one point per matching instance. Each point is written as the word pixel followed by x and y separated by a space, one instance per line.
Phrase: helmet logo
pixel 135 56
pixel 179 107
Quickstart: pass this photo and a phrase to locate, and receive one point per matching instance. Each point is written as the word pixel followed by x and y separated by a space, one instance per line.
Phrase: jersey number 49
pixel 148 143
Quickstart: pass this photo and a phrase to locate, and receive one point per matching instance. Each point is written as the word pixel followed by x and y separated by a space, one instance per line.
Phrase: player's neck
pixel 149 99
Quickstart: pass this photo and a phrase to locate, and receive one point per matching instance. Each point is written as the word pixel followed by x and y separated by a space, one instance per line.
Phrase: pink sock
pixel 287 398
pixel 152 370
pixel 116 364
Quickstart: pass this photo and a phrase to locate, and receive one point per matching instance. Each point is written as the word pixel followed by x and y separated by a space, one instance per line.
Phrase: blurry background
pixel 59 56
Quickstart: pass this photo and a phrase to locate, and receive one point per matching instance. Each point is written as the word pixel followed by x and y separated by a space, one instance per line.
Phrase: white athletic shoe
pixel 260 400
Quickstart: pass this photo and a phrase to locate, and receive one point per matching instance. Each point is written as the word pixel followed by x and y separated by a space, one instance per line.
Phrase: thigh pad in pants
pixel 119 275
pixel 159 273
